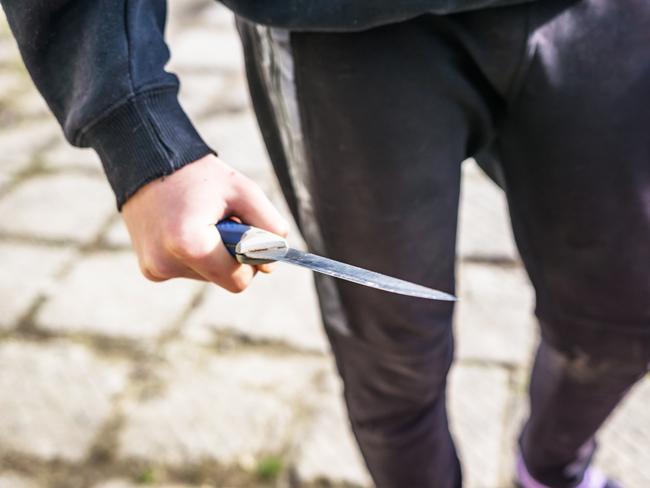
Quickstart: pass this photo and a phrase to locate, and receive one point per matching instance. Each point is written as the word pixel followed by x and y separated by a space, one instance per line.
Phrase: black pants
pixel 367 131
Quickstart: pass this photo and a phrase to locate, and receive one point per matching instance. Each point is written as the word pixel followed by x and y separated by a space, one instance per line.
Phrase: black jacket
pixel 99 64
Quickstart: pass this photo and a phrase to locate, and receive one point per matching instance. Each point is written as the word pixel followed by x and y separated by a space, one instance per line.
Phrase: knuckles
pixel 157 268
pixel 184 244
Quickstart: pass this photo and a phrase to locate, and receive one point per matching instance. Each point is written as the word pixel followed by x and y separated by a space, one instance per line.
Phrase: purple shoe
pixel 593 478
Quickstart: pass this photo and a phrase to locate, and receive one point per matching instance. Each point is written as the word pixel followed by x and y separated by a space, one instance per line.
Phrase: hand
pixel 172 220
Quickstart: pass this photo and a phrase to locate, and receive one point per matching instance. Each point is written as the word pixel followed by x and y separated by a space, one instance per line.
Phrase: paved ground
pixel 108 381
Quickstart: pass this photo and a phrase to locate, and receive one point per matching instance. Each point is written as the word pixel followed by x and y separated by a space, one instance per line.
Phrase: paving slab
pixel 327 451
pixel 5 179
pixel 478 397
pixel 31 105
pixel 280 307
pixel 57 397
pixel 14 480
pixel 200 91
pixel 204 13
pixel 26 271
pixel 60 207
pixel 515 417
pixel 11 83
pixel 63 156
pixel 230 408
pixel 117 234
pixel 8 49
pixel 494 316
pixel 484 224
pixel 625 441
pixel 205 94
pixel 105 294
pixel 122 483
pixel 20 143
pixel 239 143
pixel 205 49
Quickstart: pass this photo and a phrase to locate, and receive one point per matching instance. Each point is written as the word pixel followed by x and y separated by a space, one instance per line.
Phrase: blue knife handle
pixel 231 233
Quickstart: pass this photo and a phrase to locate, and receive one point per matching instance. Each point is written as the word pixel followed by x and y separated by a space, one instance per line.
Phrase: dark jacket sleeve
pixel 99 64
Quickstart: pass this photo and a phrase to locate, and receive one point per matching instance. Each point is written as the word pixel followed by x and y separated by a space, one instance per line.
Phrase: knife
pixel 250 245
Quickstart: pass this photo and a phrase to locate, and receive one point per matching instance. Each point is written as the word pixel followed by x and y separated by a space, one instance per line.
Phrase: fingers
pixel 266 268
pixel 218 267
pixel 254 208
pixel 200 249
pixel 163 271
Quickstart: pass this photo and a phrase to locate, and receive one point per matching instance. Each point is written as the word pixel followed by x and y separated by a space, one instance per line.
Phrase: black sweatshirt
pixel 99 64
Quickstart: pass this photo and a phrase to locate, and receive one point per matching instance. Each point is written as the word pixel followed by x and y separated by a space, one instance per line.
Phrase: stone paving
pixel 109 381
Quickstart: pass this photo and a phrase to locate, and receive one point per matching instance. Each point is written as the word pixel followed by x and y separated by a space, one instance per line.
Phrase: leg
pixel 373 134
pixel 575 156
pixel 571 395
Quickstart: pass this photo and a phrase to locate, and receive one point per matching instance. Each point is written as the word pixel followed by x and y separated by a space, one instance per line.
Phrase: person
pixel 367 110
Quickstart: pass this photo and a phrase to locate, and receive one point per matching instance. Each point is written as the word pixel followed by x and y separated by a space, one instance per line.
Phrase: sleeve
pixel 99 64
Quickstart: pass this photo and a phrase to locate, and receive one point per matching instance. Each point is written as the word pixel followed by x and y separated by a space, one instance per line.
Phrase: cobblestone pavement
pixel 109 381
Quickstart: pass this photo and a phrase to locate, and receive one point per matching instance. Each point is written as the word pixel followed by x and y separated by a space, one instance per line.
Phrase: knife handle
pixel 231 233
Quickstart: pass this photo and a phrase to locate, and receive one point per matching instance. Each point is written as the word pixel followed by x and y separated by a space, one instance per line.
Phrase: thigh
pixel 576 159
pixel 374 125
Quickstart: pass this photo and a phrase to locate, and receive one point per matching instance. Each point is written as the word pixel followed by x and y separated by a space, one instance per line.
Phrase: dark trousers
pixel 367 131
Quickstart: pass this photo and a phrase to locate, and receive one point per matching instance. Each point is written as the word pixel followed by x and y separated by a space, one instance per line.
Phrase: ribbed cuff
pixel 147 137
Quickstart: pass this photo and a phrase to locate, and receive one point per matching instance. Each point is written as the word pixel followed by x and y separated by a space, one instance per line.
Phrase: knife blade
pixel 250 245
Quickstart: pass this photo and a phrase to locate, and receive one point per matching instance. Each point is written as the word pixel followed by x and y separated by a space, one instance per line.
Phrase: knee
pixel 596 356
pixel 387 390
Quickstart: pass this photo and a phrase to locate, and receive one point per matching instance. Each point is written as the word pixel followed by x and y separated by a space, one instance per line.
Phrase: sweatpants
pixel 367 131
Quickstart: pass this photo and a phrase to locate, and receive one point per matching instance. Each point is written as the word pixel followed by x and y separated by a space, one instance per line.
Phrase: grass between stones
pixel 269 468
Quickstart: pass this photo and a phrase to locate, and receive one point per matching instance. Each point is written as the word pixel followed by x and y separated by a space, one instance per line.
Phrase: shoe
pixel 593 478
